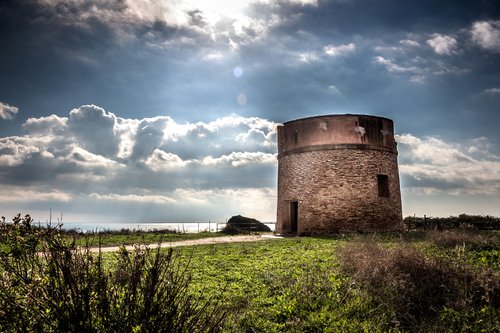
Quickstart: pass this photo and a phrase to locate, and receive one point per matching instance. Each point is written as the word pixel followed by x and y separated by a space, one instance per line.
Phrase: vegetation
pixel 130 237
pixel 49 285
pixel 367 283
pixel 463 221
pixel 442 281
pixel 416 290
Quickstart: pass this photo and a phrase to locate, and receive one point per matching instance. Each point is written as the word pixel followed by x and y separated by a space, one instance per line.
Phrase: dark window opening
pixel 383 185
pixel 294 216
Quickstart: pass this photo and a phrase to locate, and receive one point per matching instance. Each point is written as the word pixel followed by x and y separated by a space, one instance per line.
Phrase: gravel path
pixel 210 240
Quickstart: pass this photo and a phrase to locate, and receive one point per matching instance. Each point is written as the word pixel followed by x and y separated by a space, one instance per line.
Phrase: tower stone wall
pixel 338 173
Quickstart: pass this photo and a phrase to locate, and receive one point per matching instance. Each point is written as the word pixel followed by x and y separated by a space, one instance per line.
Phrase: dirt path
pixel 202 241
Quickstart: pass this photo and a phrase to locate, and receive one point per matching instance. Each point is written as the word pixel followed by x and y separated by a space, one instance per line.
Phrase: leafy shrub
pixel 49 285
pixel 416 289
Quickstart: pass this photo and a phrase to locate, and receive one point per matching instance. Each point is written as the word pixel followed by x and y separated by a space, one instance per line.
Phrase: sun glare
pixel 215 10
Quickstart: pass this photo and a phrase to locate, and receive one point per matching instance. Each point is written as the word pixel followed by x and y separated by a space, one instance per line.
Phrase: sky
pixel 166 110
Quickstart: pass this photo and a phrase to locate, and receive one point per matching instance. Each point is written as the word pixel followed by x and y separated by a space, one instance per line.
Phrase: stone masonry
pixel 338 173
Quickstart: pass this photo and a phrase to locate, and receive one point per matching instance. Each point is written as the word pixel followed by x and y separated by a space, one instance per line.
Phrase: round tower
pixel 338 173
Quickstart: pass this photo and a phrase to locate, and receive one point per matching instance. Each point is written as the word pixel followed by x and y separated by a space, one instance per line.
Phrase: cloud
pixel 95 129
pixel 7 112
pixel 93 157
pixel 409 42
pixel 238 159
pixel 434 166
pixel 418 69
pixel 11 194
pixel 487 34
pixel 443 44
pixel 236 23
pixel 332 88
pixel 308 57
pixel 393 67
pixel 14 150
pixel 155 199
pixel 257 202
pixel 160 160
pixel 188 170
pixel 339 50
pixel 492 91
pixel 148 137
pixel 51 125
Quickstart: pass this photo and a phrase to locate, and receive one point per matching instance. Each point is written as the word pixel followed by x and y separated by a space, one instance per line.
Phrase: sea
pixel 145 226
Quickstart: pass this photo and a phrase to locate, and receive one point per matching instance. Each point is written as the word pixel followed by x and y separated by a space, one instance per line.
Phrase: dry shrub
pixel 416 288
pixel 453 238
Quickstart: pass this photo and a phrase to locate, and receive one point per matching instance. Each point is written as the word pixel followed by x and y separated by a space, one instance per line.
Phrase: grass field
pixel 127 237
pixel 446 281
pixel 308 285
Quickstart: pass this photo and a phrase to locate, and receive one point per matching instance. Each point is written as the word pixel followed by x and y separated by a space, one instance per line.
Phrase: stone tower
pixel 338 173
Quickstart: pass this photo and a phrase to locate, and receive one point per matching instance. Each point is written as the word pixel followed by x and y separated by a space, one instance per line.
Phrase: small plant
pixel 47 284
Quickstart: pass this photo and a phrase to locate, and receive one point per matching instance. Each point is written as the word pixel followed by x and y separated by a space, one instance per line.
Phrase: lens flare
pixel 242 99
pixel 237 71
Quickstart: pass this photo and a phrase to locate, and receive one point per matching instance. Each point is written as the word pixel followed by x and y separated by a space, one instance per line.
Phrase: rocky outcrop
pixel 240 223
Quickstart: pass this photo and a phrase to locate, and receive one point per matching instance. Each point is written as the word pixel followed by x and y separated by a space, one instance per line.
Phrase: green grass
pixel 299 285
pixel 135 237
pixel 265 279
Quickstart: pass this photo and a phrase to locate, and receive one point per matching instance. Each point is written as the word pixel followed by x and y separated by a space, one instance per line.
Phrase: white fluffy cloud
pixel 492 91
pixel 487 34
pixel 443 44
pixel 409 42
pixel 94 128
pixel 7 111
pixel 339 50
pixel 432 165
pixel 96 158
pixel 393 67
pixel 51 125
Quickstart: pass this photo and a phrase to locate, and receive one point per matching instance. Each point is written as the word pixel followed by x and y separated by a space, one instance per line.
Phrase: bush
pixel 49 285
pixel 417 289
pixel 472 240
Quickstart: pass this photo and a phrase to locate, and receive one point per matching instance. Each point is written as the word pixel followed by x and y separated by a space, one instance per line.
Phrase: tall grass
pixel 49 285
pixel 419 290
